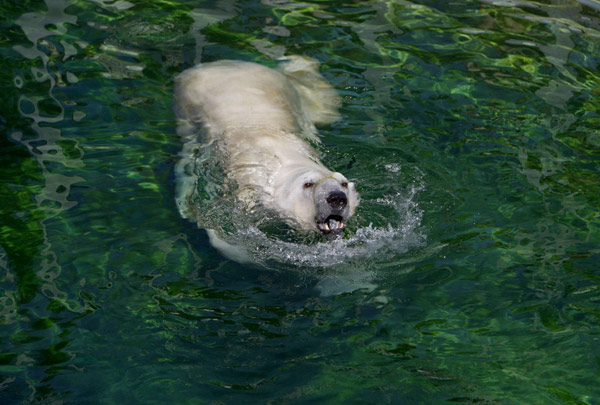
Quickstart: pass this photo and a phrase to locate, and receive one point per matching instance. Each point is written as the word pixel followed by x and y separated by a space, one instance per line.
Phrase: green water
pixel 472 130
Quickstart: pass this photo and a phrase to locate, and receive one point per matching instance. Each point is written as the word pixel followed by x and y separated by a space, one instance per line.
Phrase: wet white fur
pixel 263 120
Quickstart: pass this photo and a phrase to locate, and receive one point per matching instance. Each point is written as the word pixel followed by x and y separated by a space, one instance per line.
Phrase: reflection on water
pixel 470 271
pixel 44 141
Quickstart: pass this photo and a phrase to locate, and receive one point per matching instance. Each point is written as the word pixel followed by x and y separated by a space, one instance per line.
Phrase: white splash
pixel 345 264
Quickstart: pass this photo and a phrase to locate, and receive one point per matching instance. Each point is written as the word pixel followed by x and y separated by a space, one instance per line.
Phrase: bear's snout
pixel 337 200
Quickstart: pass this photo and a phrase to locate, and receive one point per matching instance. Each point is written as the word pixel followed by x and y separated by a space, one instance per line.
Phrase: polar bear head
pixel 316 198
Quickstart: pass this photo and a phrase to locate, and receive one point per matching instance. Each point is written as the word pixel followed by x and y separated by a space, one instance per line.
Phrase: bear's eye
pixel 345 184
pixel 308 184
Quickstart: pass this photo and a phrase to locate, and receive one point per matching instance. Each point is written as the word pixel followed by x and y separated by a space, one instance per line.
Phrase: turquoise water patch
pixel 469 273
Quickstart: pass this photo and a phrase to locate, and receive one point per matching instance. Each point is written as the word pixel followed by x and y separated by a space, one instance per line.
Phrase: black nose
pixel 337 199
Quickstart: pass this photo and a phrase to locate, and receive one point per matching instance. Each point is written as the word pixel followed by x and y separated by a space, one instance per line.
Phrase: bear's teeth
pixel 333 224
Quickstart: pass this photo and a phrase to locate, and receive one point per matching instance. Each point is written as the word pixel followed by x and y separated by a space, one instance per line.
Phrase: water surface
pixel 471 129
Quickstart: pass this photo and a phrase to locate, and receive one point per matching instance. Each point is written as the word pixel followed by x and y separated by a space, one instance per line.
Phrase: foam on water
pixel 344 264
pixel 366 244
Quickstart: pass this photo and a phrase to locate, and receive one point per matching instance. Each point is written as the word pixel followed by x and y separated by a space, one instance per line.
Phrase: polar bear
pixel 262 122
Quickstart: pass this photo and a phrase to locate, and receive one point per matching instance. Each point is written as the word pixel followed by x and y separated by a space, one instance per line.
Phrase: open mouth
pixel 332 224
